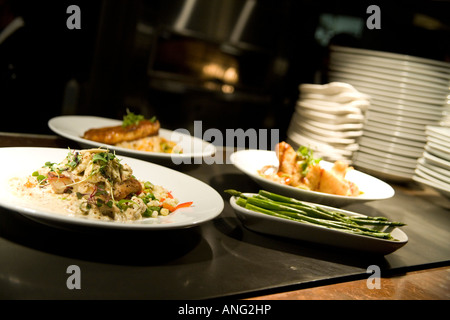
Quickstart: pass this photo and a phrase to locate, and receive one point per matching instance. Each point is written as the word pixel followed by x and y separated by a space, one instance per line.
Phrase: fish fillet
pixel 117 134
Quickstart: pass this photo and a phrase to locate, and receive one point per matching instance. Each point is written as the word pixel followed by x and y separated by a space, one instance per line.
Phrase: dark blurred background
pixel 229 63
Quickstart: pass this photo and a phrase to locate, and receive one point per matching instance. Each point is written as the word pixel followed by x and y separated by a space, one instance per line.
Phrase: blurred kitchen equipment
pixel 230 64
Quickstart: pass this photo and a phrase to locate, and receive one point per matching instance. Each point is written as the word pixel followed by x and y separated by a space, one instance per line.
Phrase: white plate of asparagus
pixel 278 215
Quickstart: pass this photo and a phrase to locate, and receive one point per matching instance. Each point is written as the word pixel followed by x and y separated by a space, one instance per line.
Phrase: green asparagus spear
pixel 235 193
pixel 296 210
pixel 296 213
pixel 339 216
pixel 329 225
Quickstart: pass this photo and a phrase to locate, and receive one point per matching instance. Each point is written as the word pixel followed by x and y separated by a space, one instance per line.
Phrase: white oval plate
pixel 410 102
pixel 442 189
pixel 354 80
pixel 414 121
pixel 250 161
pixel 397 78
pixel 264 223
pixel 336 108
pixel 370 161
pixel 21 162
pixel 436 170
pixel 431 158
pixel 403 89
pixel 307 127
pixel 330 118
pixel 389 64
pixel 380 118
pixel 331 88
pixel 432 175
pixel 383 172
pixel 439 132
pixel 441 144
pixel 386 70
pixel 396 133
pixel 74 127
pixel 373 92
pixel 393 139
pixel 331 127
pixel 403 111
pixel 387 147
pixel 392 56
pixel 384 128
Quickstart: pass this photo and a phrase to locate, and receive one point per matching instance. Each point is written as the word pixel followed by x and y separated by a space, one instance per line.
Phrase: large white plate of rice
pixel 205 203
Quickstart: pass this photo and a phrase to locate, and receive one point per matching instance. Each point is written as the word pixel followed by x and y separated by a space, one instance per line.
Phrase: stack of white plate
pixel 433 168
pixel 328 119
pixel 407 94
pixel 445 122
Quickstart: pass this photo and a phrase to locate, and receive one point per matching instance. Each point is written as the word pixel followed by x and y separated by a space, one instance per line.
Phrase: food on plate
pixel 136 133
pixel 153 144
pixel 118 134
pixel 95 183
pixel 300 169
pixel 276 205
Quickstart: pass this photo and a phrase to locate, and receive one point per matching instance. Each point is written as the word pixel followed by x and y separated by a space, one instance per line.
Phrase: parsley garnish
pixel 131 119
pixel 73 159
pixel 306 159
pixel 39 177
pixel 103 157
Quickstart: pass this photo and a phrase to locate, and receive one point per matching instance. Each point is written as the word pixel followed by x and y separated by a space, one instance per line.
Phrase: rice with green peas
pixel 152 144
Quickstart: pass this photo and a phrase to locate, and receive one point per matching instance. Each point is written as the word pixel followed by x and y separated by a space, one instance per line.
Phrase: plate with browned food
pixel 296 173
pixel 134 136
pixel 97 188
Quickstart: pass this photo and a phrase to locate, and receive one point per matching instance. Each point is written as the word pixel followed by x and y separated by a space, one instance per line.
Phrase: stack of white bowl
pixel 433 168
pixel 329 119
pixel 407 94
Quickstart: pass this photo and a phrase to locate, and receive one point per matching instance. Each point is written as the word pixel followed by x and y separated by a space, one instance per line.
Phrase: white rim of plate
pixel 204 145
pixel 390 55
pixel 406 66
pixel 355 79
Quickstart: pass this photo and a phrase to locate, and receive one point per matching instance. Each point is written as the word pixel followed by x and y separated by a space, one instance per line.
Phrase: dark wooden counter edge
pixel 429 283
pixel 11 139
pixel 422 284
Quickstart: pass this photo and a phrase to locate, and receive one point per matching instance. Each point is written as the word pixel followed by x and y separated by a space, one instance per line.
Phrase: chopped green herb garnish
pixel 306 158
pixel 131 119
pixel 101 193
pixel 103 157
pixel 100 202
pixel 39 177
pixel 73 159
